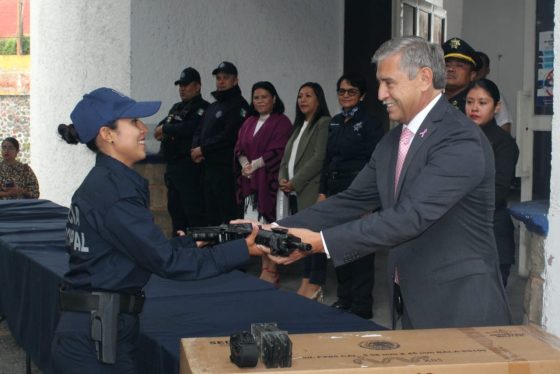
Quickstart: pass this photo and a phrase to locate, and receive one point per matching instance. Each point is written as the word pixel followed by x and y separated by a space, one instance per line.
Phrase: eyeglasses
pixel 350 92
pixel 8 148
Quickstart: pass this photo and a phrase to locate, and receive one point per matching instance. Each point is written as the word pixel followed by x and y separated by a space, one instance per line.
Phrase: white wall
pixel 286 42
pixel 454 10
pixel 498 30
pixel 551 302
pixel 77 46
pixel 140 47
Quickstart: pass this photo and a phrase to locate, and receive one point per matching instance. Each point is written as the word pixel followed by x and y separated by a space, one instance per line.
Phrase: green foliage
pixel 8 46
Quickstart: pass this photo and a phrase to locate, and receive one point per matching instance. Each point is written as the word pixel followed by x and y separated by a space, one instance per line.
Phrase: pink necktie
pixel 404 144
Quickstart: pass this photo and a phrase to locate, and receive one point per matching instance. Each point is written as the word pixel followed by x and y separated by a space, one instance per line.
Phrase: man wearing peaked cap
pixel 182 175
pixel 213 145
pixel 461 63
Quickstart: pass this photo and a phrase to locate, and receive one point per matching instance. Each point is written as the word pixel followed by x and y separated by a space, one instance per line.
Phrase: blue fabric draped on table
pixel 33 261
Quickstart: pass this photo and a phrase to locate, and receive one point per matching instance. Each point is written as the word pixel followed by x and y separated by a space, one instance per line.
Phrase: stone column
pixel 533 300
pixel 77 46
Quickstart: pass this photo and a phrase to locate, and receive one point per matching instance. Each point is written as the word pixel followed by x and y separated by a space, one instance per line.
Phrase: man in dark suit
pixel 435 216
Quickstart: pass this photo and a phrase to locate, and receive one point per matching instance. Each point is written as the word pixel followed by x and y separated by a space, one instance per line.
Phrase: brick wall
pixel 153 172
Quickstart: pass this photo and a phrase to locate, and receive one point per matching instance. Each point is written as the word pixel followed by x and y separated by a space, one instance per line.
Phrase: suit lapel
pixel 426 129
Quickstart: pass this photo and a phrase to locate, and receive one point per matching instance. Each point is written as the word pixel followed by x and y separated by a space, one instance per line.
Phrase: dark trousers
pixel 355 280
pixel 355 284
pixel 73 350
pixel 504 233
pixel 314 266
pixel 219 194
pixel 185 202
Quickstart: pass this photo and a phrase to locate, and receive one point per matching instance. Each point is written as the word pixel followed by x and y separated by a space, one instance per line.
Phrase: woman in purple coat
pixel 259 150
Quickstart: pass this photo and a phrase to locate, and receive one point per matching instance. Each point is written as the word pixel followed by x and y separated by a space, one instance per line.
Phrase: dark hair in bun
pixel 69 134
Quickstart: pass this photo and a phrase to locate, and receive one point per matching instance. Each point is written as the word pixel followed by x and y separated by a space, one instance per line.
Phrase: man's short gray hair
pixel 416 53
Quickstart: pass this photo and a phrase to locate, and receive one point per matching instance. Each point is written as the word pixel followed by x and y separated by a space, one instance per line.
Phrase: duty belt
pixel 87 302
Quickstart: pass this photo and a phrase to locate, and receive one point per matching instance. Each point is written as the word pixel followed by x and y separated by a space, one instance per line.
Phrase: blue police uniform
pixel 459 101
pixel 115 246
pixel 185 196
pixel 353 136
pixel 217 137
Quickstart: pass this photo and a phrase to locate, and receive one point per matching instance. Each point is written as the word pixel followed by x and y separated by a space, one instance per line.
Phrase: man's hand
pixel 293 257
pixel 309 237
pixel 196 155
pixel 306 236
pixel 158 132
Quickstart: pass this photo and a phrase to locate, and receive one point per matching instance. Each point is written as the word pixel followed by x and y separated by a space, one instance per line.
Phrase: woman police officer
pixel 113 243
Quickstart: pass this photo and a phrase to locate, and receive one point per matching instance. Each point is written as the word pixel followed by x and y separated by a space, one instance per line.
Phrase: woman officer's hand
pixel 254 248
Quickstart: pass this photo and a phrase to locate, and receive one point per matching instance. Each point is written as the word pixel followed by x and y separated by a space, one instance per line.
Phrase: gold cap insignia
pixel 455 43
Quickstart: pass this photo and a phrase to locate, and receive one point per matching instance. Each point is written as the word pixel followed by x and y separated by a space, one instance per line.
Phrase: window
pixel 425 18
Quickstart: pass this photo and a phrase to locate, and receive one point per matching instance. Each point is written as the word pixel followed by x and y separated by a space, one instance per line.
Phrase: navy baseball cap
pixel 225 67
pixel 188 76
pixel 105 105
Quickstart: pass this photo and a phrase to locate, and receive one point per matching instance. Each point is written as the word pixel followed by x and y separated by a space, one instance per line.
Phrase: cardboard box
pixel 484 350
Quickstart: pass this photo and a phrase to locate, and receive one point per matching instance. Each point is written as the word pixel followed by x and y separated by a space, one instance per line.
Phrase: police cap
pixel 105 105
pixel 225 67
pixel 188 76
pixel 456 48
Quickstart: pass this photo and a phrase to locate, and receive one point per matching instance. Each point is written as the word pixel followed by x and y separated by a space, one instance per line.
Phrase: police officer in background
pixel 213 145
pixel 461 64
pixel 114 244
pixel 182 176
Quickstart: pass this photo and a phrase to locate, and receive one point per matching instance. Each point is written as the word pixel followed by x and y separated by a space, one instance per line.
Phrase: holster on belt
pixel 104 308
pixel 104 327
